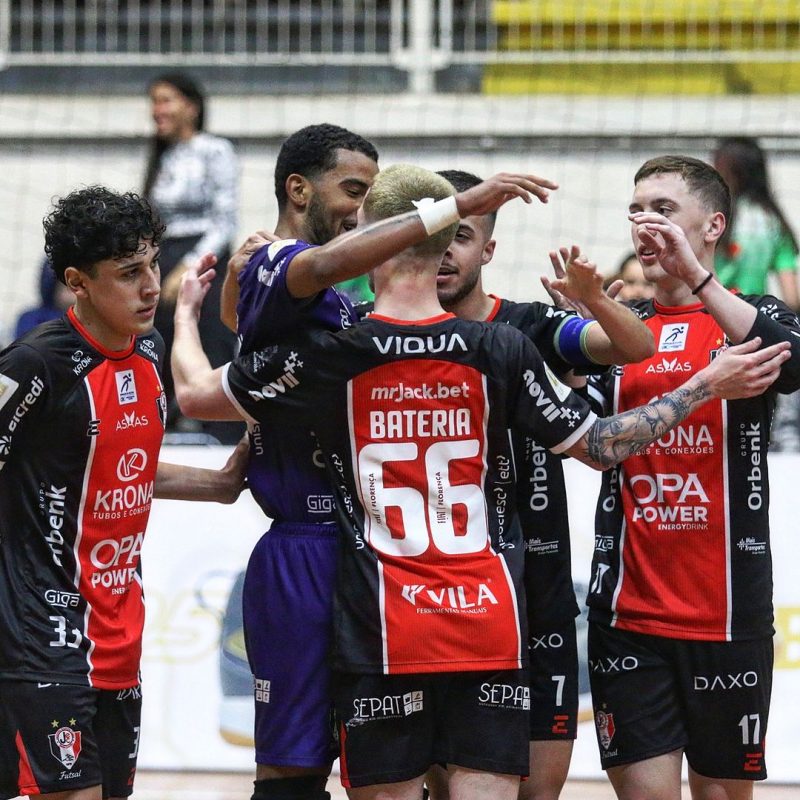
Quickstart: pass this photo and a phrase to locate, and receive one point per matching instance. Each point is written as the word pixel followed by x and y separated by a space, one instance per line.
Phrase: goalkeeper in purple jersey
pixel 322 174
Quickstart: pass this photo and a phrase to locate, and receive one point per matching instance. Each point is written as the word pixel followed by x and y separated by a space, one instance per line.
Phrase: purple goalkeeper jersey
pixel 286 473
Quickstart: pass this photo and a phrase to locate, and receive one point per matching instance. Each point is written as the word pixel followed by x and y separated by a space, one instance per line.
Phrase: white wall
pixel 51 145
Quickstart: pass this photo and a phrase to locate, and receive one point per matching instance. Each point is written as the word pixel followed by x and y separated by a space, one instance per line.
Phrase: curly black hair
pixel 93 224
pixel 312 150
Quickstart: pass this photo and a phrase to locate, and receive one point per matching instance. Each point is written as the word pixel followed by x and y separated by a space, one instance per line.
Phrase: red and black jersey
pixel 80 432
pixel 541 490
pixel 414 420
pixel 682 544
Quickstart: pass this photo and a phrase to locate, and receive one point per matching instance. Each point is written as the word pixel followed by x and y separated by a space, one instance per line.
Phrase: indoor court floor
pixel 237 786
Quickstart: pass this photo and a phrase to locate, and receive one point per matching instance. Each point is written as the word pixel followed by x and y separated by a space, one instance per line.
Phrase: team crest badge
pixel 65 745
pixel 605 728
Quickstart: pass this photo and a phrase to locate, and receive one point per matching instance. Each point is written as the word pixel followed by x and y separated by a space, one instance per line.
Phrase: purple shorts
pixel 288 623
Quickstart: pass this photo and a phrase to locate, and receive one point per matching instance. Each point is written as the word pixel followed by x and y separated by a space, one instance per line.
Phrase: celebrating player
pixel 681 591
pixel 82 412
pixel 412 410
pixel 565 341
pixel 321 177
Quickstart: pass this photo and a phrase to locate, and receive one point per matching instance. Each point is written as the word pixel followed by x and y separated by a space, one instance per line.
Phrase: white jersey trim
pixel 726 505
pixel 79 530
pixel 577 435
pixel 232 397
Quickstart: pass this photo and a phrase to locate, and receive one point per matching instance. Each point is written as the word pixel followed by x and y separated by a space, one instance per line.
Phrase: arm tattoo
pixel 613 439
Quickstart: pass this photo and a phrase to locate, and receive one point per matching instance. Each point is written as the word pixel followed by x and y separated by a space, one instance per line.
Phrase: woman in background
pixel 758 240
pixel 192 179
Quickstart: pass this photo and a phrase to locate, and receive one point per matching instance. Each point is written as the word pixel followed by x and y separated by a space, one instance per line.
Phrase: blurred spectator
pixel 635 285
pixel 192 179
pixel 758 240
pixel 55 300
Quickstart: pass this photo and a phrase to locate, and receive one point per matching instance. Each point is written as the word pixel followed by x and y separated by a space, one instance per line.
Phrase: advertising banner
pixel 198 690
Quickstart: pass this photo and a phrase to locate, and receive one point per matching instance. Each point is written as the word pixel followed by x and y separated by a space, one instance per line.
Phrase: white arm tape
pixel 437 216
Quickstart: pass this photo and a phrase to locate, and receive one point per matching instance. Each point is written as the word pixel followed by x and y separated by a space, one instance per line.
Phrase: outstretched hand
pixel 744 370
pixel 578 282
pixel 253 243
pixel 195 285
pixel 492 193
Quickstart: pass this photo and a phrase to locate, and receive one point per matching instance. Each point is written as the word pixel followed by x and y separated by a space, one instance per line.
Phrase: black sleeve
pixel 543 407
pixel 776 322
pixel 24 388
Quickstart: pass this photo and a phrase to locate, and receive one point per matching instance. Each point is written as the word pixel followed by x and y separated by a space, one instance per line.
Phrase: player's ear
pixel 488 251
pixel 298 190
pixel 75 280
pixel 715 226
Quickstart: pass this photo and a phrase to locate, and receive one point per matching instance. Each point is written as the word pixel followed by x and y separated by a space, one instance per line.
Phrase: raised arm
pixel 356 252
pixel 198 387
pixel 740 371
pixel 675 255
pixel 620 337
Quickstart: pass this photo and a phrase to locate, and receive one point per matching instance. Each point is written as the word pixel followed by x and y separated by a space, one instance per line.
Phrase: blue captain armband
pixel 570 341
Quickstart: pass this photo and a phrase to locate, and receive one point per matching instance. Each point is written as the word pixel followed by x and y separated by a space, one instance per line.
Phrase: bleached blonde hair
pixel 394 191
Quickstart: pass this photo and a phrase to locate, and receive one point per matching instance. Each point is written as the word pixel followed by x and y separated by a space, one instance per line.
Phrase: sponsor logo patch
pixel 147 346
pixel 673 337
pixel 668 365
pixel 132 421
pixel 126 387
pixel 131 464
pixel 504 695
pixel 390 706
pixel 61 599
pixel 262 690
pixel 319 503
pixel 449 599
pixel 81 361
pixel 749 544
pixel 286 381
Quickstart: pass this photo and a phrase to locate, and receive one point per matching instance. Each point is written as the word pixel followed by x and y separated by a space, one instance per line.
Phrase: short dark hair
pixel 93 224
pixel 311 151
pixel 701 178
pixel 466 180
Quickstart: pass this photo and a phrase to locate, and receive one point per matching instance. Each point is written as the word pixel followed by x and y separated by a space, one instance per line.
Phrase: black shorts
pixel 393 727
pixel 652 695
pixel 58 737
pixel 554 684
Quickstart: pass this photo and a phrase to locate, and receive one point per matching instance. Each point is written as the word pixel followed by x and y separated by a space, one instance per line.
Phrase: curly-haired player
pixel 81 422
